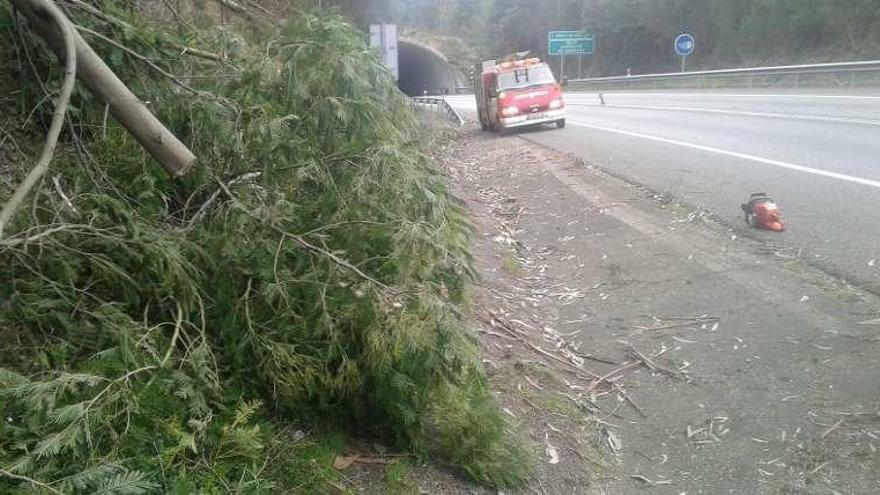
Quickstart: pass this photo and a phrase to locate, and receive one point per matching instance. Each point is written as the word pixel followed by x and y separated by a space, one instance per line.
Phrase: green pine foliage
pixel 162 335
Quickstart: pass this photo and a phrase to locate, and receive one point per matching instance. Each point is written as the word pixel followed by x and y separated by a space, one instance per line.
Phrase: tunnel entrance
pixel 423 69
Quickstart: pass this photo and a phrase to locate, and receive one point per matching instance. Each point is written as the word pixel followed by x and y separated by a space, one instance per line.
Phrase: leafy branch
pixel 49 10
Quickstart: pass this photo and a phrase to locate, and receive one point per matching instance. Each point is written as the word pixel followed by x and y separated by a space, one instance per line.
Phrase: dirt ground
pixel 641 347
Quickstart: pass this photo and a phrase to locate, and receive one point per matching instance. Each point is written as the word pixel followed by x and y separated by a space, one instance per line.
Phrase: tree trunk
pixel 124 105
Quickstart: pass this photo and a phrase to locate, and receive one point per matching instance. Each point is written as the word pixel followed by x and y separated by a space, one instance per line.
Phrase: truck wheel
pixel 560 124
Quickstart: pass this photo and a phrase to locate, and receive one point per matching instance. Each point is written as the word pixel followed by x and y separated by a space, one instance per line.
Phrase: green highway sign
pixel 570 43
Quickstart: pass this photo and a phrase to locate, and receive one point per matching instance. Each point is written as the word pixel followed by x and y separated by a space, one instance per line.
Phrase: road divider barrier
pixel 782 74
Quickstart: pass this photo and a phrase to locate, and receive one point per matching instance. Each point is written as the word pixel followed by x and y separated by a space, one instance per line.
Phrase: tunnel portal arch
pixel 424 69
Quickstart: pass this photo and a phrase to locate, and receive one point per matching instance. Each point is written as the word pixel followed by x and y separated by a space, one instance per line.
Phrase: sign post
pixel 564 43
pixel 684 46
pixel 383 37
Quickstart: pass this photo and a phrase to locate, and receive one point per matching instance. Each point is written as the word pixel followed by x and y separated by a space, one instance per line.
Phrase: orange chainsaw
pixel 761 212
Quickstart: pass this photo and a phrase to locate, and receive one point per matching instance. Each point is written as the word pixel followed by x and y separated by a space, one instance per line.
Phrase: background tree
pixel 638 34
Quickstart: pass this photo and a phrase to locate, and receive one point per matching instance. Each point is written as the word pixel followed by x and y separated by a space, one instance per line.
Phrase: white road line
pixel 735 154
pixel 791 116
pixel 733 95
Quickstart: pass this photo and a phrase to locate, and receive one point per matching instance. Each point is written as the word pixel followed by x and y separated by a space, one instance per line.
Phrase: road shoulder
pixel 728 363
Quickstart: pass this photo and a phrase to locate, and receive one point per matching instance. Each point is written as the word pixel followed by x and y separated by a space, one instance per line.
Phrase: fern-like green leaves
pixel 160 334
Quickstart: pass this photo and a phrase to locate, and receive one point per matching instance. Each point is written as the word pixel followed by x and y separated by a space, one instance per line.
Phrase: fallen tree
pixel 223 331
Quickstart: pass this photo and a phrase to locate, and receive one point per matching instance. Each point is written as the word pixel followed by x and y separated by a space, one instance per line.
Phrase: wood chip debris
pixel 649 482
pixel 832 428
pixel 552 454
pixel 533 382
pixel 587 459
pixel 498 322
pixel 342 462
pixel 613 440
pixel 711 433
pixel 651 364
pixel 664 325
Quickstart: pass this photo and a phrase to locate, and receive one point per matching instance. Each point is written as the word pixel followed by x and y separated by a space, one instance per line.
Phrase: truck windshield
pixel 525 77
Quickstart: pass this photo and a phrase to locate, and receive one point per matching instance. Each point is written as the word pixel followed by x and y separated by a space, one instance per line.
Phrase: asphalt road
pixel 817 154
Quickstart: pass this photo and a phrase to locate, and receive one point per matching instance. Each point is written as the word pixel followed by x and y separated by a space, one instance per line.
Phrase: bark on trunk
pixel 124 105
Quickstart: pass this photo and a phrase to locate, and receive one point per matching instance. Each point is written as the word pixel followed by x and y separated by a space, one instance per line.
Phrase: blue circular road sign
pixel 684 44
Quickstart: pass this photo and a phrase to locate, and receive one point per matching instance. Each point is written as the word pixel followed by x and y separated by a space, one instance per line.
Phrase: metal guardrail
pixel 442 106
pixel 796 70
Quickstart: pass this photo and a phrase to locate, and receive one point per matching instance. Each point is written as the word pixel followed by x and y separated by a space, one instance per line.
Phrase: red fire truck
pixel 517 93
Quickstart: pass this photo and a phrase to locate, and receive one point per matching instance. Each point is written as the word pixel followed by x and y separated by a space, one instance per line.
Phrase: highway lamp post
pixel 561 55
pixel 562 68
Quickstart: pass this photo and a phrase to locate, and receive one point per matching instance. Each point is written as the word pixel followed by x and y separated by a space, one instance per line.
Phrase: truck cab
pixel 517 93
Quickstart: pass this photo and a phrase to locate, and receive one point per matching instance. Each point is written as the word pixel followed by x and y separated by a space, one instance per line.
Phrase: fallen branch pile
pixel 160 330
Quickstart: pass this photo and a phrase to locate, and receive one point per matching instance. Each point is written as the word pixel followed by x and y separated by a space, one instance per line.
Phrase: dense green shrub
pixel 158 334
